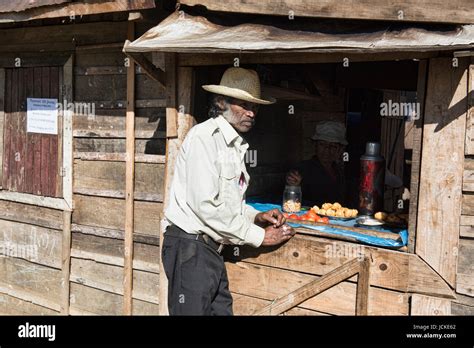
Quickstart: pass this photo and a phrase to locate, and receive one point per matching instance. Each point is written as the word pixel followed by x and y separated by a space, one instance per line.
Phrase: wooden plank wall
pixel 31 236
pixel 98 220
pixel 258 276
pixel 465 265
pixel 440 195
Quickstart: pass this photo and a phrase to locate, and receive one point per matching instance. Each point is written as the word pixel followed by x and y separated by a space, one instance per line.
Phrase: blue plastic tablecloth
pixel 372 240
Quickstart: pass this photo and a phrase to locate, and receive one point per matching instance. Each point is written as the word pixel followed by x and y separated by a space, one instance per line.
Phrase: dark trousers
pixel 197 277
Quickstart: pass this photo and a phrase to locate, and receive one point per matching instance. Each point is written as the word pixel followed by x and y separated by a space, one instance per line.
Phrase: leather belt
pixel 175 231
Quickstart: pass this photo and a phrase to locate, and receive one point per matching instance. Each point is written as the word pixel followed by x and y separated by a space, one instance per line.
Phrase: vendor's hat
pixel 331 131
pixel 241 84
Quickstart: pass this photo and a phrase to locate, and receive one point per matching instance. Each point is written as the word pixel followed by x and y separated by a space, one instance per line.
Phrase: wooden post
pixel 66 262
pixel 416 154
pixel 181 102
pixel 440 193
pixel 2 119
pixel 363 287
pixel 67 164
pixel 129 182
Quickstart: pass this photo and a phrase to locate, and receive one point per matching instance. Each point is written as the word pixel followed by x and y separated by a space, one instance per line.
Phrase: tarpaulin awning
pixel 184 33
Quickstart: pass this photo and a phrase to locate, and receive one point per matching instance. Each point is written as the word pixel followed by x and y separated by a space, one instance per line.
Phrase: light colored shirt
pixel 207 194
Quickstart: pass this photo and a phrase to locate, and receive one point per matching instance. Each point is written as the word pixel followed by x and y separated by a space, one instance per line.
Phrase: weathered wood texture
pixel 440 192
pixel 12 305
pixel 327 281
pixel 107 179
pixel 31 214
pixel 459 11
pixel 110 278
pixel 78 9
pixel 269 283
pixel 110 213
pixel 110 251
pixel 389 269
pixel 465 270
pixel 426 305
pixel 87 300
pixel 247 305
pixel 417 136
pixel 469 149
pixel 30 282
pixel 2 120
pixel 37 244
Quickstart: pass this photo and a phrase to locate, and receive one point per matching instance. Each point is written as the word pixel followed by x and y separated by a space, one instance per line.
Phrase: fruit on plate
pixel 310 216
pixel 336 210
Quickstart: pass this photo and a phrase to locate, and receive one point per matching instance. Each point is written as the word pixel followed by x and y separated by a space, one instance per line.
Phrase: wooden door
pixel 31 160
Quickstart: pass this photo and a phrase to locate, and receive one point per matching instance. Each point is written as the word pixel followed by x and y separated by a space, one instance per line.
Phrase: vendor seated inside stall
pixel 322 177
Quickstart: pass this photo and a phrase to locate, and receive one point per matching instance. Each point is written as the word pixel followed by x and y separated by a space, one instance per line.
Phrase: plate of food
pixel 335 211
pixel 392 219
pixel 368 221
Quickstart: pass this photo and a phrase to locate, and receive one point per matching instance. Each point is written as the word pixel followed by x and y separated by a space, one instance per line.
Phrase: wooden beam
pixel 76 9
pixel 48 202
pixel 171 105
pixel 66 263
pixel 363 287
pixel 311 289
pixel 457 11
pixel 129 183
pixel 2 119
pixel 440 192
pixel 469 150
pixel 201 59
pixel 119 157
pixel 416 155
pixel 149 68
pixel 67 141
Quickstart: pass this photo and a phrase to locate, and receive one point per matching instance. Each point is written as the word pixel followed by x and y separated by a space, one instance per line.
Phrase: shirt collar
pixel 229 133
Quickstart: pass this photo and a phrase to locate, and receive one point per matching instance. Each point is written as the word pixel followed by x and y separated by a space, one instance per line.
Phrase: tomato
pixel 311 219
pixel 325 220
pixel 293 216
pixel 304 217
pixel 312 214
pixel 285 215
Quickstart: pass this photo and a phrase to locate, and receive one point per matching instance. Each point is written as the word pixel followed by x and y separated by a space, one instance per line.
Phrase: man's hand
pixel 294 178
pixel 275 236
pixel 274 217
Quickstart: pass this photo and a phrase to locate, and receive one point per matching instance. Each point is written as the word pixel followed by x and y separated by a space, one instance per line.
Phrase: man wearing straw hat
pixel 207 208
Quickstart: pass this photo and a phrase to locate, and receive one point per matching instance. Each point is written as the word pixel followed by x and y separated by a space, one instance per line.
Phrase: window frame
pixel 66 94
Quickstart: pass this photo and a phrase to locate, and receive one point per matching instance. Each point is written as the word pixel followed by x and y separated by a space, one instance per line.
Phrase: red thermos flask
pixel 372 179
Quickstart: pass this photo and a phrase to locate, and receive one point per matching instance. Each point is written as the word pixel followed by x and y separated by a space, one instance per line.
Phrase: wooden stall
pixel 81 210
pixel 316 273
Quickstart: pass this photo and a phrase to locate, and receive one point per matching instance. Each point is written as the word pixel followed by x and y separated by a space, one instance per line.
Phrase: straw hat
pixel 331 131
pixel 241 84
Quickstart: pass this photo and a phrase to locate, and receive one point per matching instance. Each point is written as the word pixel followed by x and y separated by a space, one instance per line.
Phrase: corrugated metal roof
pixel 182 32
pixel 22 5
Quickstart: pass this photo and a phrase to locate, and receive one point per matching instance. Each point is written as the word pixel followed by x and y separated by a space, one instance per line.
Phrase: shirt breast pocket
pixel 229 184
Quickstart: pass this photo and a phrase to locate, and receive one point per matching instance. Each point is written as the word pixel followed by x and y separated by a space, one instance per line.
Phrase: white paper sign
pixel 42 116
